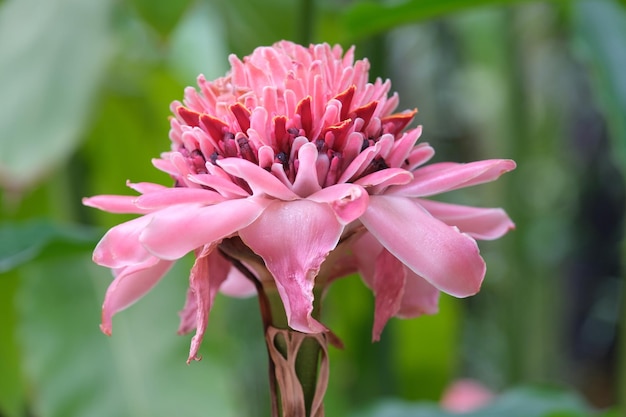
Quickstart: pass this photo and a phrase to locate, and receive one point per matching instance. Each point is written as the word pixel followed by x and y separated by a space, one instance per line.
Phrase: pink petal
pixel 260 181
pixel 480 223
pixel 306 182
pixel 348 201
pixel 171 196
pixel 419 297
pixel 188 313
pixel 178 230
pixel 237 285
pixel 294 238
pixel 379 180
pixel 447 176
pixel 130 284
pixel 120 246
pixel 207 275
pixel 222 185
pixel 145 187
pixel 442 255
pixel 115 204
pixel 389 279
pixel 366 249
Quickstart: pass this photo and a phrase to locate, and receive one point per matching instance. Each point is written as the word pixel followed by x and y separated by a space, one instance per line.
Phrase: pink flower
pixel 466 395
pixel 297 155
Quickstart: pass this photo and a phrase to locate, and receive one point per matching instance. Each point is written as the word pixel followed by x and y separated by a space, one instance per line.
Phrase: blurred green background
pixel 85 87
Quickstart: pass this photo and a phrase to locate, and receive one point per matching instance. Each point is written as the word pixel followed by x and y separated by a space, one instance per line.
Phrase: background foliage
pixel 85 91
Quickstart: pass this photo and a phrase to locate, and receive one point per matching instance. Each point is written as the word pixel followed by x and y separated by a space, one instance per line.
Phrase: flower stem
pixel 300 363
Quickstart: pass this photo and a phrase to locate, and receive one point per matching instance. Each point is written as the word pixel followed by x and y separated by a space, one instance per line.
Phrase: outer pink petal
pixel 237 285
pixel 447 176
pixel 172 196
pixel 115 204
pixel 348 201
pixel 480 223
pixel 377 181
pixel 177 230
pixel 294 238
pixel 120 246
pixel 389 279
pixel 446 258
pixel 366 249
pixel 419 297
pixel 207 275
pixel 129 285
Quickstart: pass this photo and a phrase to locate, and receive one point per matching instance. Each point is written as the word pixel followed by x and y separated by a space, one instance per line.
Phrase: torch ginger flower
pixel 297 155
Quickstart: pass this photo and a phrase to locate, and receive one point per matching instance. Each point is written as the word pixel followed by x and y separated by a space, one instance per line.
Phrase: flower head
pixel 298 156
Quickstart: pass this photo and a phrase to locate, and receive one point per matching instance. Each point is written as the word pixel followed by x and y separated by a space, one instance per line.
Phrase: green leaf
pixel 252 23
pixel 23 242
pixel 52 56
pixel 520 402
pixel 191 54
pixel 12 390
pixel 162 15
pixel 369 18
pixel 140 371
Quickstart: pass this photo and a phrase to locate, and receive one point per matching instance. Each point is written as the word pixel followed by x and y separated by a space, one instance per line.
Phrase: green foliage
pixel 163 16
pixel 368 18
pixel 74 370
pixel 51 69
pixel 21 243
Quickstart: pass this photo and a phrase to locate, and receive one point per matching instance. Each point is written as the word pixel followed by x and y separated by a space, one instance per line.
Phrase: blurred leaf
pixel 50 69
pixel 12 393
pixel 74 370
pixel 162 15
pixel 191 54
pixel 520 402
pixel 252 23
pixel 601 26
pixel 368 18
pixel 22 242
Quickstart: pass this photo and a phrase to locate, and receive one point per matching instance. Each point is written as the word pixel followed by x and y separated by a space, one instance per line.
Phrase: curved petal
pixel 478 222
pixel 294 238
pixel 237 285
pixel 222 185
pixel 366 249
pixel 120 246
pixel 172 196
pixel 419 297
pixel 130 284
pixel 259 180
pixel 377 181
pixel 207 275
pixel 348 201
pixel 115 204
pixel 446 258
pixel 178 230
pixel 447 176
pixel 306 181
pixel 389 281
